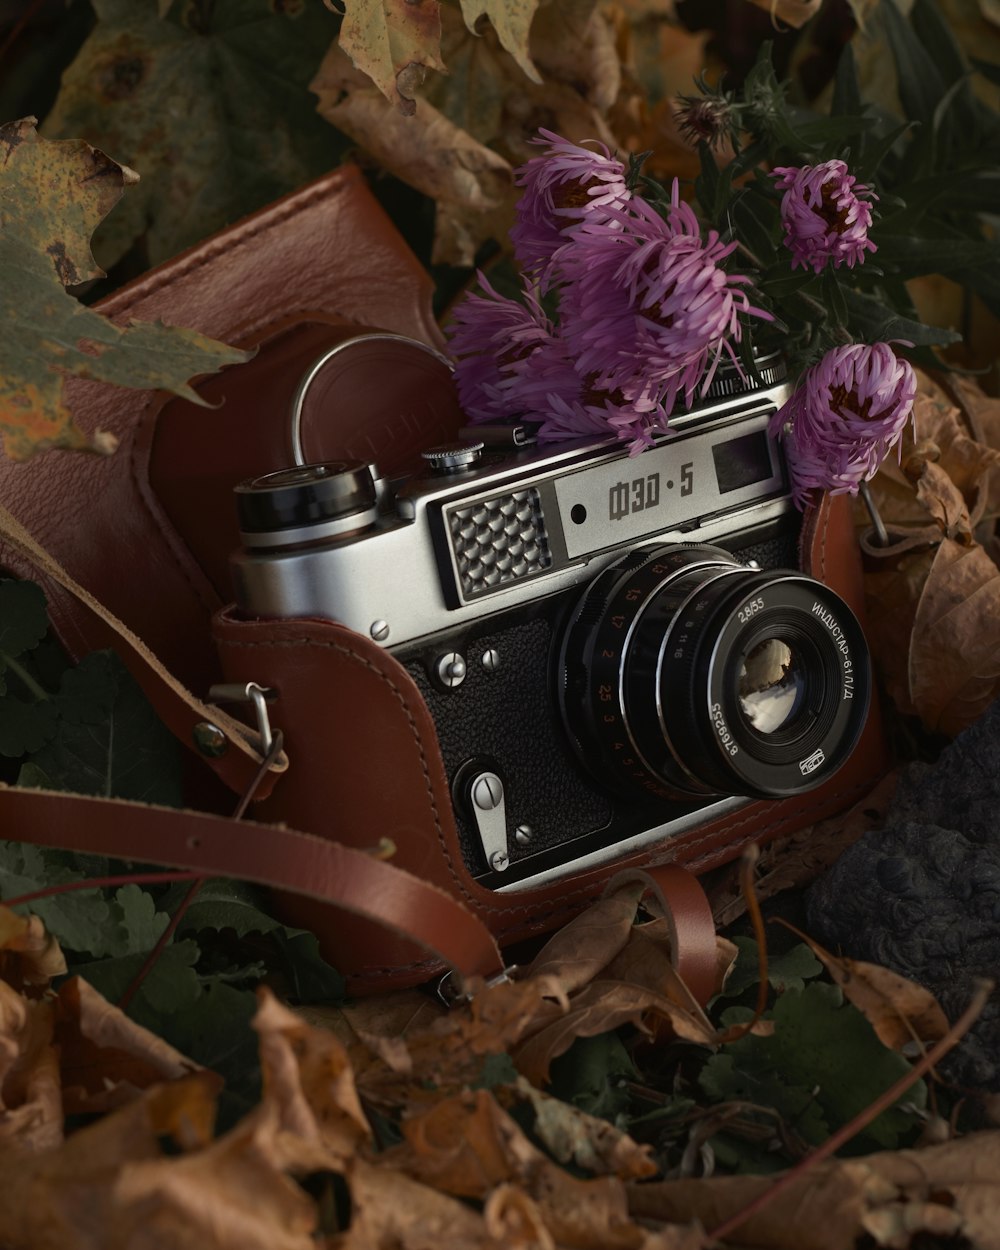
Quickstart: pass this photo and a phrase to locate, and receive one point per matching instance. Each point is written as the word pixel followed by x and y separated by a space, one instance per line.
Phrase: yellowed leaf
pixel 511 19
pixel 954 664
pixel 472 186
pixel 393 42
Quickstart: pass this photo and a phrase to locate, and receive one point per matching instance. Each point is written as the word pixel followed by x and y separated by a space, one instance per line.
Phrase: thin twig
pixel 95 883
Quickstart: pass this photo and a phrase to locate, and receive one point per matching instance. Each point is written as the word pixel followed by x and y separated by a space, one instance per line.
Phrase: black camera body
pixel 614 649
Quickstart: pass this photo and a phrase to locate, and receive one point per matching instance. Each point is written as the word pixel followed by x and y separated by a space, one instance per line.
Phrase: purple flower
pixel 823 216
pixel 568 185
pixel 647 308
pixel 849 410
pixel 491 338
pixel 550 389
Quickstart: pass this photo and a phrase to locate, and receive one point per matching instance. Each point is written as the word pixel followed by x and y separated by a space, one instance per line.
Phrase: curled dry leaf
pixel 598 1008
pixel 105 1058
pixel 577 952
pixel 954 659
pixel 309 1081
pixel 31 1113
pixel 29 954
pixel 472 186
pixel 899 1010
pixel 937 494
pixel 572 1136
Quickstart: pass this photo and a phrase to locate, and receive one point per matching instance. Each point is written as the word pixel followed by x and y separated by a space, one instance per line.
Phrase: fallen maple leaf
pixel 54 194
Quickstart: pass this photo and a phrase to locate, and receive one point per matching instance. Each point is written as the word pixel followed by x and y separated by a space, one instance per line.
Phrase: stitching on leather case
pixel 228 243
pixel 401 699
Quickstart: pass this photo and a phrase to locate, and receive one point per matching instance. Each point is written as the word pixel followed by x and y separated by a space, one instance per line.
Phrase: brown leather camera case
pixel 147 531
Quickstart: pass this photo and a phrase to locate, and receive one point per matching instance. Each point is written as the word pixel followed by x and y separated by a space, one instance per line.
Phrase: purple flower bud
pixel 566 186
pixel 849 410
pixel 824 219
pixel 491 338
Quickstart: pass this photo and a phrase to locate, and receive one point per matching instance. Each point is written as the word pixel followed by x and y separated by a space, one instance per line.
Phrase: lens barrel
pixel 685 674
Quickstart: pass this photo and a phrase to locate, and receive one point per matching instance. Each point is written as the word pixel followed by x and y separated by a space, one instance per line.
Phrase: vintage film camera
pixel 614 649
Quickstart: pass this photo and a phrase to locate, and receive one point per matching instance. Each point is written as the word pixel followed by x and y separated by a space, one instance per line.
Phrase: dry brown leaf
pixel 105 1058
pixel 309 1081
pixel 29 955
pixel 938 495
pixel 892 593
pixel 472 186
pixel 31 1112
pixel 899 1010
pixel 790 12
pixel 68 1196
pixel 574 43
pixel 575 954
pixel 598 1008
pixel 572 1136
pixel 467 1145
pixel 954 662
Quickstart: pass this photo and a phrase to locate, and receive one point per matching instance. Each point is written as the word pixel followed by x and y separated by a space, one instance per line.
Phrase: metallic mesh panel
pixel 499 541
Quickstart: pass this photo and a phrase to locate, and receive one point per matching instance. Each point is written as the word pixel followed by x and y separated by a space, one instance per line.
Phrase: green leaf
pixel 874 322
pixel 24 726
pixel 109 741
pixel 210 105
pixel 592 1075
pixel 24 618
pixel 921 86
pixel 310 978
pixel 81 920
pixel 140 925
pixel 224 904
pixel 822 1044
pixel 846 87
pixel 788 970
pixel 54 195
pixel 171 985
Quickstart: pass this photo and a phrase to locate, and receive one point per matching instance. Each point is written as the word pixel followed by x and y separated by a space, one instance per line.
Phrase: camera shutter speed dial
pixel 453 457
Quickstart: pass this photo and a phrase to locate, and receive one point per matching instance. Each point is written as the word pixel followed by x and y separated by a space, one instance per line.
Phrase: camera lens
pixel 685 674
pixel 772 683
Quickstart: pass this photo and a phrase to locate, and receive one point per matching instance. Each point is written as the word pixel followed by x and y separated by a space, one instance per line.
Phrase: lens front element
pixel 686 674
pixel 772 684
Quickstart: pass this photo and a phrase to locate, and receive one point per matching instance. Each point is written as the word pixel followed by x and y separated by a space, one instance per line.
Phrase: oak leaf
pixel 54 195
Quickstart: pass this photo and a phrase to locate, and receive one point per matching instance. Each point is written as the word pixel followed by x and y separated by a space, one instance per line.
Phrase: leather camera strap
pixel 274 855
pixel 179 710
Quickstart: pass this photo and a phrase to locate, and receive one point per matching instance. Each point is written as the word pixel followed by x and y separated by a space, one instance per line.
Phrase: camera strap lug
pixel 250 692
pixel 449 993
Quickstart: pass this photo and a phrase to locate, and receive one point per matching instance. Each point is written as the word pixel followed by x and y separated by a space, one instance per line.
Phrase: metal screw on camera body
pixel 490 660
pixel 500 861
pixel 523 835
pixel 487 792
pixel 379 630
pixel 450 669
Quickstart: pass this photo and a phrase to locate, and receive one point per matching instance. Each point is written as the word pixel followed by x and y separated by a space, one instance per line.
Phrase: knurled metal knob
pixel 452 457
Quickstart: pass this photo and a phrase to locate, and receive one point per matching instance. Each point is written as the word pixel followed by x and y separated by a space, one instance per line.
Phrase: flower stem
pixel 24 676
